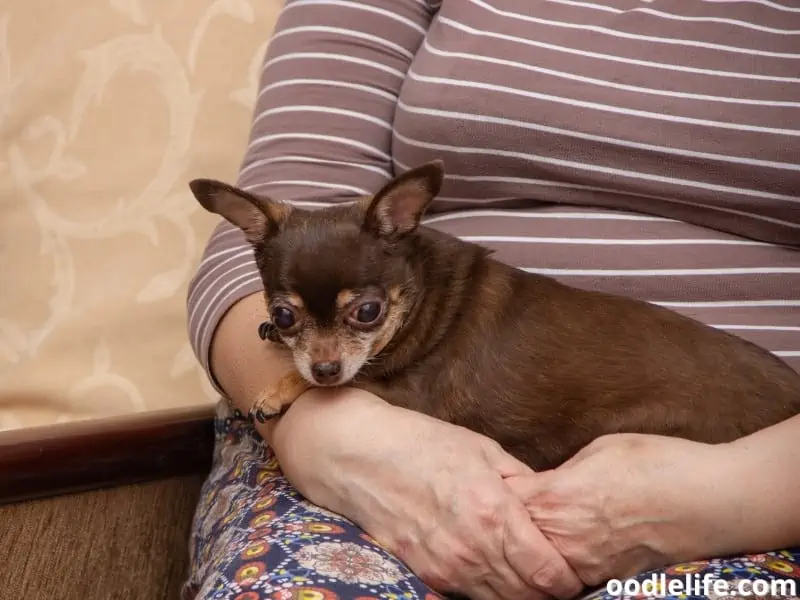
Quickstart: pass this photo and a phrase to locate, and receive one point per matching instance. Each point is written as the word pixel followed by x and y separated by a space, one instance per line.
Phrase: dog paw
pixel 274 401
pixel 267 406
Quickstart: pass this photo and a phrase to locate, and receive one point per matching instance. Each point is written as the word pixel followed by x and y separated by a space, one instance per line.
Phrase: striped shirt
pixel 649 148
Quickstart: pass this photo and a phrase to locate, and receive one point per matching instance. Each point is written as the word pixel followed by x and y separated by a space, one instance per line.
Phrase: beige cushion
pixel 107 109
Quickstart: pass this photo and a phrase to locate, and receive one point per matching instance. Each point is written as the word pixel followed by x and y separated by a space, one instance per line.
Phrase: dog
pixel 364 295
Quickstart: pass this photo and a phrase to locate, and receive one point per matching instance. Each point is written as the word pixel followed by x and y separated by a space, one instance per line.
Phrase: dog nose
pixel 325 372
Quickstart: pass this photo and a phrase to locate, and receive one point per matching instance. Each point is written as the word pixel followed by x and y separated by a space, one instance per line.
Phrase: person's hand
pixel 627 503
pixel 429 492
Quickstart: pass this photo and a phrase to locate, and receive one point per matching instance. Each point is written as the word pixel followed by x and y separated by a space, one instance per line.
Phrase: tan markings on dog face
pixel 324 349
pixel 302 362
pixel 302 348
pixel 353 352
pixel 291 341
pixel 295 300
pixel 344 298
pixel 394 294
pixel 395 313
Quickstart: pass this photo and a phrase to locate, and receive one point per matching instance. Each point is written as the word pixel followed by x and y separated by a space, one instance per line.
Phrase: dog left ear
pixel 258 217
pixel 397 209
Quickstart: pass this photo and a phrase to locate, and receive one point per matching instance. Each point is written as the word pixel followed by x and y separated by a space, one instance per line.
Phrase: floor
pixel 125 543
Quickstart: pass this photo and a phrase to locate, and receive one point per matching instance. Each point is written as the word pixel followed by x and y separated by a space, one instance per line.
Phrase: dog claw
pixel 260 416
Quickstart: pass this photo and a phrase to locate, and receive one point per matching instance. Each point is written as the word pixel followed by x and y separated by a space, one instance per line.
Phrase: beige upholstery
pixel 107 109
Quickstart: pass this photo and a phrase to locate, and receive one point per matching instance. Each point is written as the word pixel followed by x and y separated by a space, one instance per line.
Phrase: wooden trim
pixel 45 461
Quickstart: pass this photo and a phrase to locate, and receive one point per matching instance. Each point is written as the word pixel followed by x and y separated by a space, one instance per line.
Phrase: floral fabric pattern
pixel 256 538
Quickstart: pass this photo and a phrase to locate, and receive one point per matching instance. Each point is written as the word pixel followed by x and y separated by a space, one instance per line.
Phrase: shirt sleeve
pixel 321 129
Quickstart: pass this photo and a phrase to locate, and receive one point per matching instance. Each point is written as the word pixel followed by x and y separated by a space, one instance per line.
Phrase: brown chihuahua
pixel 364 295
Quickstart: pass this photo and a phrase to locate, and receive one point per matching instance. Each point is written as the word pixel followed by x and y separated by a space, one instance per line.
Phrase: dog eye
pixel 283 318
pixel 369 312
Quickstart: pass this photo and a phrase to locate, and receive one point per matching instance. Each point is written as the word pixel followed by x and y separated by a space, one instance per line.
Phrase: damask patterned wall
pixel 107 109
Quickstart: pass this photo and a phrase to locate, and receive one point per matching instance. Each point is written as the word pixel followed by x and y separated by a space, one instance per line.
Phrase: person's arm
pixel 321 130
pixel 628 503
pixel 764 489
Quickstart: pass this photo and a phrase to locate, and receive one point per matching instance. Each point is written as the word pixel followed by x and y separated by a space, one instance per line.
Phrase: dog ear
pixel 258 217
pixel 397 208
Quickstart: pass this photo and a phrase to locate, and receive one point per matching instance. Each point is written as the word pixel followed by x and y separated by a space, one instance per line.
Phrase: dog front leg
pixel 274 400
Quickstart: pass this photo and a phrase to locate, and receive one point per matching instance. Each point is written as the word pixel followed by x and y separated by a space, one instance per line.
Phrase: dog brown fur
pixel 541 367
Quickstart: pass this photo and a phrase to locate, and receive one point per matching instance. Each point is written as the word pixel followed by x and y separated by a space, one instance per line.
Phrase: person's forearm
pixel 243 364
pixel 768 487
pixel 241 361
pixel 745 497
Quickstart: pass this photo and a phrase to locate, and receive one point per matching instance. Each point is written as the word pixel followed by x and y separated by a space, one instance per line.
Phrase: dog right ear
pixel 258 217
pixel 397 209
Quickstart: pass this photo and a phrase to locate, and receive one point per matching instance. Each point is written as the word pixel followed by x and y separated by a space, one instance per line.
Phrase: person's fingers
pixel 535 559
pixel 528 487
pixel 531 567
pixel 584 453
pixel 484 591
pixel 502 462
pixel 501 577
pixel 506 582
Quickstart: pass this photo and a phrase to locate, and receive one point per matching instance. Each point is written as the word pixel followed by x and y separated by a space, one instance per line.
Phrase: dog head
pixel 338 281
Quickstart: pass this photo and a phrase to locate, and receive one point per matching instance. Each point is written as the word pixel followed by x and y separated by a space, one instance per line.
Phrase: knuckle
pixel 590 568
pixel 587 564
pixel 441 566
pixel 436 577
pixel 401 546
pixel 515 588
pixel 546 576
pixel 525 592
pixel 486 508
pixel 489 517
pixel 492 445
pixel 593 576
pixel 465 556
pixel 453 566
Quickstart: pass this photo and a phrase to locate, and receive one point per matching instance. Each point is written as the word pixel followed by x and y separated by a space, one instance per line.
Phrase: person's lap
pixel 255 538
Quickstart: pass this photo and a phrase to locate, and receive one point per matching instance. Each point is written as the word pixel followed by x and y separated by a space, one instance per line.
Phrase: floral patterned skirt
pixel 255 537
